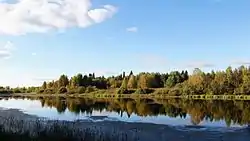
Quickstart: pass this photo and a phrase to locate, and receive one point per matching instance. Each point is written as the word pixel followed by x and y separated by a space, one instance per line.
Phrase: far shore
pixel 133 96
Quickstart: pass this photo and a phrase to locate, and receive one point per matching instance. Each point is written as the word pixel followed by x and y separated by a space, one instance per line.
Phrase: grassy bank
pixel 135 96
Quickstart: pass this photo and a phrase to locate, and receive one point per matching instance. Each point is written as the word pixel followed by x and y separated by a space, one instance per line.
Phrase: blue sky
pixel 111 36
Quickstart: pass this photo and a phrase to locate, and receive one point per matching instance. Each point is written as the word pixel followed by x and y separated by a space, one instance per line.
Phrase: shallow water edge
pixel 13 120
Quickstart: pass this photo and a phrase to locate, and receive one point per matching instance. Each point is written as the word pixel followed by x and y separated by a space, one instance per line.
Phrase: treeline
pixel 231 81
pixel 122 84
pixel 8 90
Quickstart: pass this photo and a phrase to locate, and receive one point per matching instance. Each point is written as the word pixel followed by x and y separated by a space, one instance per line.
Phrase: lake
pixel 173 112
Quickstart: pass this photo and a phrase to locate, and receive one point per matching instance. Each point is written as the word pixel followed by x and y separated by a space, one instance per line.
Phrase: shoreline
pixel 15 121
pixel 134 96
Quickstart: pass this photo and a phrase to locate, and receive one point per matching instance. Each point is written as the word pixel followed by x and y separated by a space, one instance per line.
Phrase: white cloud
pixel 132 29
pixel 6 50
pixel 4 54
pixel 33 54
pixel 29 16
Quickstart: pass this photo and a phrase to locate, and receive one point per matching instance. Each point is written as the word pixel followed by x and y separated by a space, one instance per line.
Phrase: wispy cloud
pixel 6 50
pixel 104 73
pixel 42 79
pixel 40 16
pixel 132 29
pixel 200 65
pixel 241 62
pixel 4 54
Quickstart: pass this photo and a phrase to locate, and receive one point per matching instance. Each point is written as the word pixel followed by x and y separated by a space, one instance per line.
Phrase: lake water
pixel 173 112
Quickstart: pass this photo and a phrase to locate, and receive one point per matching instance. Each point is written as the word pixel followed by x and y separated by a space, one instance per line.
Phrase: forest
pixel 227 82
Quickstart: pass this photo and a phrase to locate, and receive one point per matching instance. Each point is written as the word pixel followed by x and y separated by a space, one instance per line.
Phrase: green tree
pixel 156 80
pixel 123 75
pixel 143 81
pixel 63 81
pixel 197 71
pixel 55 84
pixel 219 84
pixel 245 87
pixel 81 90
pixel 89 89
pixel 184 75
pixel 50 85
pixel 131 73
pixel 124 83
pixel 196 82
pixel 78 80
pixel 230 80
pixel 44 86
pixel 132 82
pixel 62 90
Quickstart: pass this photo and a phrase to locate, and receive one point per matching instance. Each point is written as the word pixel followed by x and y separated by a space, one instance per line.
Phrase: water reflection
pixel 230 112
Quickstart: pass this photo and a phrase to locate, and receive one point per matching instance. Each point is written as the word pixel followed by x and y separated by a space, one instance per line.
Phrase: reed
pixel 41 129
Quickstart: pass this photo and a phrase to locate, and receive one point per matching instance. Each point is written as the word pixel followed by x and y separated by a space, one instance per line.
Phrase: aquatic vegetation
pixel 41 129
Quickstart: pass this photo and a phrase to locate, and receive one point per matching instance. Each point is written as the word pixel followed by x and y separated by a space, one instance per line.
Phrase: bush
pixel 131 91
pixel 40 91
pixel 49 91
pixel 122 91
pixel 62 90
pixel 175 92
pixel 144 91
pixel 90 89
pixel 28 91
pixel 139 91
pixel 81 90
pixel 237 91
pixel 162 91
pixel 17 91
pixel 187 90
pixel 125 91
pixel 3 91
pixel 71 91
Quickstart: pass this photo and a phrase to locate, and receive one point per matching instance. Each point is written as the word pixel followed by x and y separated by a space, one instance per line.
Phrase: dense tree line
pixel 77 84
pixel 124 84
pixel 8 90
pixel 231 81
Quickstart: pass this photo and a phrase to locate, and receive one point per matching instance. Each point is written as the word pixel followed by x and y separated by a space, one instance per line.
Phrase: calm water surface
pixel 173 112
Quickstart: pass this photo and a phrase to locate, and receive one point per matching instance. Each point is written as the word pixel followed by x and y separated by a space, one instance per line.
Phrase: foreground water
pixel 174 112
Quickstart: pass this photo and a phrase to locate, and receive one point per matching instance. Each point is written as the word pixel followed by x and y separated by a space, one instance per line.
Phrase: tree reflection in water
pixel 232 112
